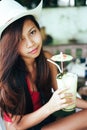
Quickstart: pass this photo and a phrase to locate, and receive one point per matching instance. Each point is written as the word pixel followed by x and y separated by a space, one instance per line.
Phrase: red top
pixel 35 96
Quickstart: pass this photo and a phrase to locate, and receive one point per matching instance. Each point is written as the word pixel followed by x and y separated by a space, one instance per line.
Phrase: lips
pixel 34 51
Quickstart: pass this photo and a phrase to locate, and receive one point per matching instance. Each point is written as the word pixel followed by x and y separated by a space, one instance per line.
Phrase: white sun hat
pixel 10 11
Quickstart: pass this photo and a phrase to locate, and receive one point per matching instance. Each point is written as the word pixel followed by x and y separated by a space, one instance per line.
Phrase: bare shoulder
pixel 48 54
pixel 53 70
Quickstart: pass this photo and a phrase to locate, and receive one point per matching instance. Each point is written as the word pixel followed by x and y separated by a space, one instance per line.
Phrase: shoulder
pixel 48 54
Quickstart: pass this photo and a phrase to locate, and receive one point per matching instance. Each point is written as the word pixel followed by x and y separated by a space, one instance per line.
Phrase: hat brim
pixel 36 12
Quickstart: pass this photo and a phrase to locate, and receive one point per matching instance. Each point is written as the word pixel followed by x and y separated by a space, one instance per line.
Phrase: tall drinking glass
pixel 68 80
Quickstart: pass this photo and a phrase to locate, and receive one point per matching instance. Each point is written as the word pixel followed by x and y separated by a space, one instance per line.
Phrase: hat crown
pixel 11 10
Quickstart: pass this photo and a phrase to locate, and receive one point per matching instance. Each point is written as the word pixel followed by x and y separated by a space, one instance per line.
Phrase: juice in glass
pixel 68 80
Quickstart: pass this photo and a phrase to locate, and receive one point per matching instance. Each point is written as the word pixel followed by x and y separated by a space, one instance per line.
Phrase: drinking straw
pixel 61 55
pixel 55 64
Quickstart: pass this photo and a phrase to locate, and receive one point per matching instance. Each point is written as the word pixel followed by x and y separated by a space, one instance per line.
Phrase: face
pixel 31 41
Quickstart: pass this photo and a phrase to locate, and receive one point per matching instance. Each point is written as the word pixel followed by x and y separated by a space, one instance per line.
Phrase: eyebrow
pixel 31 29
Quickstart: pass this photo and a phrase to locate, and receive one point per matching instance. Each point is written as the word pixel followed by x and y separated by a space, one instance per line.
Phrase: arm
pixel 80 103
pixel 34 118
pixel 77 121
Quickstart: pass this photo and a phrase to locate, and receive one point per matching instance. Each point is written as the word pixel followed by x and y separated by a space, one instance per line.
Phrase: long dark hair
pixel 14 94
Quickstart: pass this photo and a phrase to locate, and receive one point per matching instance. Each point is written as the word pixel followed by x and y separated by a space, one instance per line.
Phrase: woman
pixel 25 75
pixel 26 78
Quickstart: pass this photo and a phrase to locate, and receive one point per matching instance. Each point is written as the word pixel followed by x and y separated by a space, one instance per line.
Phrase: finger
pixel 62 95
pixel 68 95
pixel 63 101
pixel 67 100
pixel 70 101
pixel 64 106
pixel 62 90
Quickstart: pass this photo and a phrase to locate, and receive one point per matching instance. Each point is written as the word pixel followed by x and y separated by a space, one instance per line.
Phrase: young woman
pixel 26 78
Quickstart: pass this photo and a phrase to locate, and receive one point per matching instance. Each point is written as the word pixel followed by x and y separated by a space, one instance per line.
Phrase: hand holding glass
pixel 68 80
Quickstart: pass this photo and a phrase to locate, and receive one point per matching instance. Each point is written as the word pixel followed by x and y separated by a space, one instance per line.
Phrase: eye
pixel 33 32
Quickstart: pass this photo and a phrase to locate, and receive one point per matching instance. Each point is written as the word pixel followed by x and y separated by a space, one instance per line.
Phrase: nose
pixel 29 42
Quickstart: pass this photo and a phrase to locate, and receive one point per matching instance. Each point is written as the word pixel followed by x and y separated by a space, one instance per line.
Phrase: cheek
pixel 38 39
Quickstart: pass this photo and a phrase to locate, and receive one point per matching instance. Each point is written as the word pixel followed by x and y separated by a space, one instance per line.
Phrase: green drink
pixel 68 80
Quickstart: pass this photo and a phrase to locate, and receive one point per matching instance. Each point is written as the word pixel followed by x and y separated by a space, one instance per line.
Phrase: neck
pixel 29 62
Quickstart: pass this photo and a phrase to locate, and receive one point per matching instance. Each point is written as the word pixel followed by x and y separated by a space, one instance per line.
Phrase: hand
pixel 60 100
